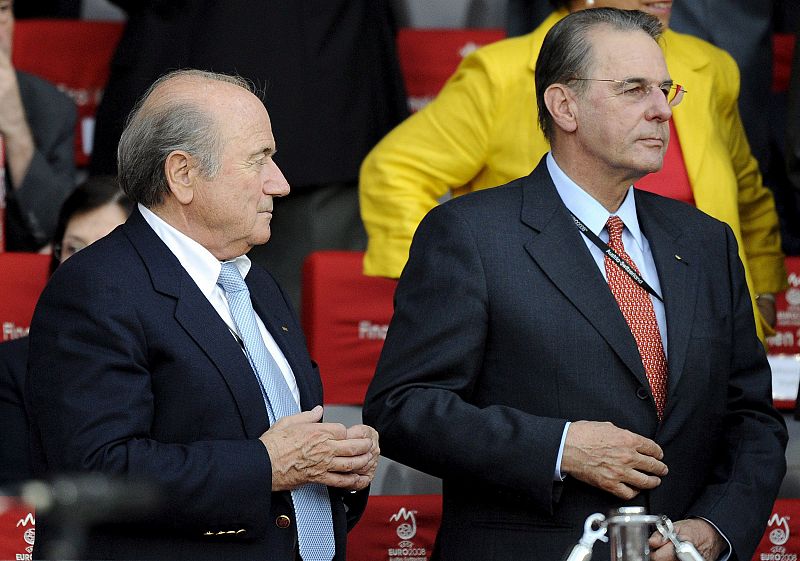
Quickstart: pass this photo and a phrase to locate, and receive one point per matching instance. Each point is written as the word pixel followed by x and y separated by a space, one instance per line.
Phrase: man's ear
pixel 181 171
pixel 559 101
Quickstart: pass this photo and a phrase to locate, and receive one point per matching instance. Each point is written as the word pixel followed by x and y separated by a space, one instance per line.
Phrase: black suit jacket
pixel 15 464
pixel 505 328
pixel 33 206
pixel 133 373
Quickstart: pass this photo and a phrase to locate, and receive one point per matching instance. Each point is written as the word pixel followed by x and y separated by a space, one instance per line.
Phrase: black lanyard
pixel 615 257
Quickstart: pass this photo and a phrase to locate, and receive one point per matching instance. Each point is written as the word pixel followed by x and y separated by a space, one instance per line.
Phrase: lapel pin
pixel 285 328
pixel 678 257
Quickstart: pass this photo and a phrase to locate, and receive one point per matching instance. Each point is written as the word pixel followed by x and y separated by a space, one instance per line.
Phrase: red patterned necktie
pixel 637 308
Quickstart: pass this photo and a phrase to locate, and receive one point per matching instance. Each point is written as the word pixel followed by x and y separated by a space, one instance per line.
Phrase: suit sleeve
pixel 51 173
pixel 750 463
pixel 758 218
pixel 91 393
pixel 422 400
pixel 438 149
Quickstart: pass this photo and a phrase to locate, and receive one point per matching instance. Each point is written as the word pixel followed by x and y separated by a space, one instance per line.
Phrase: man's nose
pixel 659 108
pixel 275 183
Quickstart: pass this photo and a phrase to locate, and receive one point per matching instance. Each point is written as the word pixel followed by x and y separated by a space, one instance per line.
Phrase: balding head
pixel 176 113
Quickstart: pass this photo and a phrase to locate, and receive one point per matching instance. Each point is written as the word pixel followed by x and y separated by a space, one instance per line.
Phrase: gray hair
pixel 567 50
pixel 154 131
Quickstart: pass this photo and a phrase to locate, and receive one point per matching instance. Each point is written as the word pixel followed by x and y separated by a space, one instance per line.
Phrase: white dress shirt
pixel 594 216
pixel 204 270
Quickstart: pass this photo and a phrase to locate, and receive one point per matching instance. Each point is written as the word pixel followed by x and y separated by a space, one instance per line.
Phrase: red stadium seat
pixel 22 278
pixel 396 527
pixel 781 541
pixel 17 529
pixel 345 317
pixel 428 57
pixel 785 344
pixel 74 55
pixel 787 337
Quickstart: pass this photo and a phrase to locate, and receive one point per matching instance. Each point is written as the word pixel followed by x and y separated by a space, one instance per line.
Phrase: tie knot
pixel 614 227
pixel 230 279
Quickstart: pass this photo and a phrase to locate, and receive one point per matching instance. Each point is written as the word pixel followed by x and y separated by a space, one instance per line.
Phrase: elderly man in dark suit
pixel 567 344
pixel 37 124
pixel 160 354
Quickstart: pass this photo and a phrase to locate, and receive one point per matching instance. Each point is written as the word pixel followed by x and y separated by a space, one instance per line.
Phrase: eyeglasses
pixel 639 90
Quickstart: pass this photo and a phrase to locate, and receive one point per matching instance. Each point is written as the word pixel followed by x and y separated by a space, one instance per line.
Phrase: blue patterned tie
pixel 311 501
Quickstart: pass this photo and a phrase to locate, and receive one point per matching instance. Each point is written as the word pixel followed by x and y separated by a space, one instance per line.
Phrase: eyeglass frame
pixel 680 91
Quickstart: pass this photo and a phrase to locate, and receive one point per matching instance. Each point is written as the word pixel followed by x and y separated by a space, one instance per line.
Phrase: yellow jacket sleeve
pixel 434 151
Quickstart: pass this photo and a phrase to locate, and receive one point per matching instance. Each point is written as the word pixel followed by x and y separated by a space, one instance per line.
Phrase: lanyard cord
pixel 615 258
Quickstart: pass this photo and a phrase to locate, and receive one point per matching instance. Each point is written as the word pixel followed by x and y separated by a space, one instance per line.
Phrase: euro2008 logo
pixel 406 530
pixel 778 533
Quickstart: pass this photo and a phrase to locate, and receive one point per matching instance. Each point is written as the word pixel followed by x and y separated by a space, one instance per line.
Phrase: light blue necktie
pixel 312 505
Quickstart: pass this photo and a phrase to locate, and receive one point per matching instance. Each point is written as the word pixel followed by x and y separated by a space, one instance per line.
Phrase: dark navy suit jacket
pixel 15 464
pixel 133 373
pixel 505 329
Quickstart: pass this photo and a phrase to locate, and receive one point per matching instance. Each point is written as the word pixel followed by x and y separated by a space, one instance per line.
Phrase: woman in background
pixel 481 131
pixel 92 211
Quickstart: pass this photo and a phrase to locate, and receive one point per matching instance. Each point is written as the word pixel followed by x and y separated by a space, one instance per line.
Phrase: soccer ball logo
pixel 407 529
pixel 779 534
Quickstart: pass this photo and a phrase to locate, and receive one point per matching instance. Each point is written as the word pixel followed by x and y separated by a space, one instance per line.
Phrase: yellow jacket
pixel 482 131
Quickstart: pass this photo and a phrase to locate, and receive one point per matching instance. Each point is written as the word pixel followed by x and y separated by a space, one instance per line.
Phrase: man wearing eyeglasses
pixel 568 344
pixel 37 169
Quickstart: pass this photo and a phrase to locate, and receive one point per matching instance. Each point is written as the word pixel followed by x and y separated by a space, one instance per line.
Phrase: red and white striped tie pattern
pixel 637 308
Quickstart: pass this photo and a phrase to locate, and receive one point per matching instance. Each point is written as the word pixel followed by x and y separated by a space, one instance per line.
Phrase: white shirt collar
pixel 593 214
pixel 201 265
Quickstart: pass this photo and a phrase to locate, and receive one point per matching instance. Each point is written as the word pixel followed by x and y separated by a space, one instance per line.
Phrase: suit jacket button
pixel 642 393
pixel 283 521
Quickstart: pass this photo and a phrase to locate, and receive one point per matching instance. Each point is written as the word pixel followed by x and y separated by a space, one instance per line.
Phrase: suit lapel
pixel 270 306
pixel 674 259
pixel 561 253
pixel 201 322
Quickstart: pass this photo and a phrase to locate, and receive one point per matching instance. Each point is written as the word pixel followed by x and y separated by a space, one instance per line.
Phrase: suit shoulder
pixel 101 262
pixel 684 214
pixel 494 199
pixel 42 97
pixel 695 52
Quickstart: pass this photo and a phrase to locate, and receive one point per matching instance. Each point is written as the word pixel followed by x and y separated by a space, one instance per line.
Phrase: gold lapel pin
pixel 285 328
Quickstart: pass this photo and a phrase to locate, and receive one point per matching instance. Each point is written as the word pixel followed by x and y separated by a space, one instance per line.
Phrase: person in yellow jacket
pixel 482 131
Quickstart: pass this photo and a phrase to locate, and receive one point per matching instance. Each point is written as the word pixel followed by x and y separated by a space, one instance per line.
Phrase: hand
pixel 14 127
pixel 698 532
pixel 12 114
pixel 364 431
pixel 612 459
pixel 303 450
pixel 766 306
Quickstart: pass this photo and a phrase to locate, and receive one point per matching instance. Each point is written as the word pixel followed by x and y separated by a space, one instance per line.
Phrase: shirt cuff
pixel 557 475
pixel 726 553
